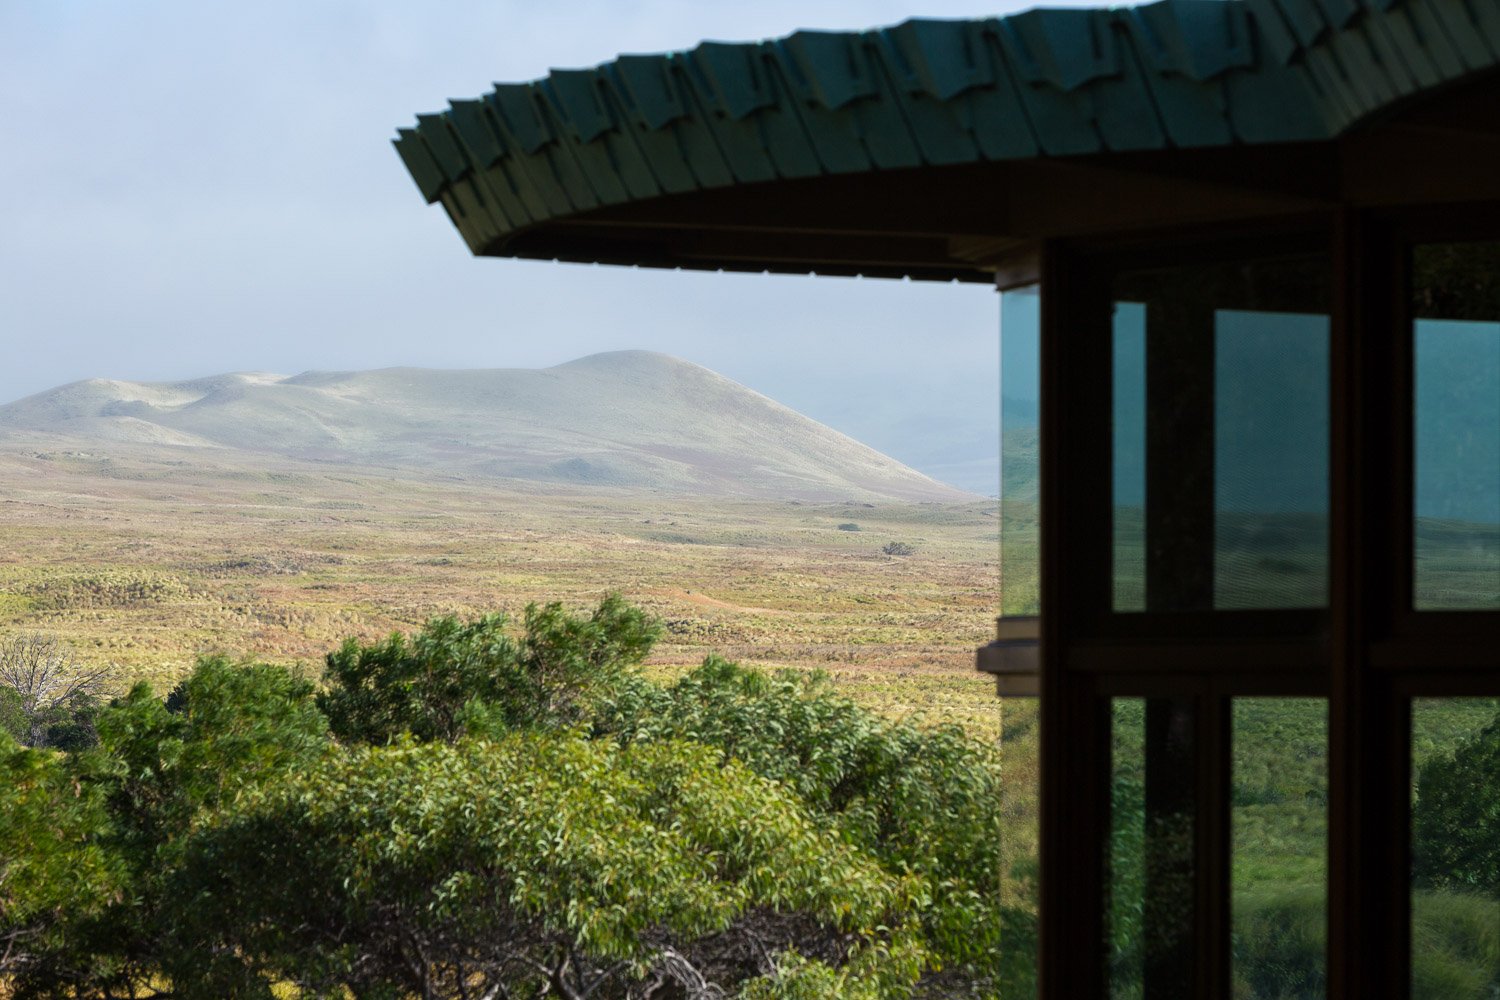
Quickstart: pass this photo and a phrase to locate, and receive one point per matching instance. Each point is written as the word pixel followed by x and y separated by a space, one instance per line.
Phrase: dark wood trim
pixel 1347 441
pixel 1457 655
pixel 1289 663
pixel 1304 625
pixel 1369 653
pixel 1173 681
pixel 1058 975
pixel 1075 721
pixel 1215 844
pixel 1427 684
pixel 1016 266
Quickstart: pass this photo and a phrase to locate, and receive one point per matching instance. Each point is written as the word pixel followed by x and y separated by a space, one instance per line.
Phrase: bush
pixel 157 770
pixel 849 526
pixel 454 676
pixel 13 715
pixel 924 802
pixel 513 811
pixel 53 871
pixel 898 549
pixel 541 863
pixel 1456 818
pixel 71 727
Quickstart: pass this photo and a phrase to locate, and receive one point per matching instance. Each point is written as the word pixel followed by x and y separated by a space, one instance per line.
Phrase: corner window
pixel 1220 436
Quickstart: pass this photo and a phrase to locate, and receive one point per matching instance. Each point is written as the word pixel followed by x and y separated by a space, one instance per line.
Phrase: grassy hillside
pixel 628 419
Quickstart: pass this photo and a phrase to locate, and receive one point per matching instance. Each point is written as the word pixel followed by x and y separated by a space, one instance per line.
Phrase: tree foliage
pixel 451 675
pixel 922 801
pixel 542 862
pixel 53 870
pixel 230 728
pixel 497 809
pixel 1456 819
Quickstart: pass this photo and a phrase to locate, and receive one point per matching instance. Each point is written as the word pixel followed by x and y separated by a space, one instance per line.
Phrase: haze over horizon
pixel 635 420
pixel 191 189
pixel 977 477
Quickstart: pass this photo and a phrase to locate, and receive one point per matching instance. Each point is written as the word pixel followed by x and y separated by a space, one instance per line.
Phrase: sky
pixel 190 188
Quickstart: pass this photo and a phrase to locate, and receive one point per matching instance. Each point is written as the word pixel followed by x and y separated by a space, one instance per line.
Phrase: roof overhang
pixel 931 149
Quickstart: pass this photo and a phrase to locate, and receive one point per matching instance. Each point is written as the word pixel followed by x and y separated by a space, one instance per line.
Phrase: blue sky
pixel 189 188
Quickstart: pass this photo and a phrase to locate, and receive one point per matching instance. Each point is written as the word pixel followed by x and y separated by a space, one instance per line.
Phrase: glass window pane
pixel 1455 875
pixel 1279 819
pixel 1220 436
pixel 1020 755
pixel 1456 354
pixel 1270 459
pixel 1020 418
pixel 1130 456
pixel 1150 919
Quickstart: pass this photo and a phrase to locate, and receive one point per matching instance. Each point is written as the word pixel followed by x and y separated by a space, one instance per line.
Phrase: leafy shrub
pixel 515 807
pixel 1456 819
pixel 12 715
pixel 541 863
pixel 452 676
pixel 53 871
pixel 924 802
pixel 228 726
pixel 71 726
pixel 157 770
pixel 898 549
pixel 849 526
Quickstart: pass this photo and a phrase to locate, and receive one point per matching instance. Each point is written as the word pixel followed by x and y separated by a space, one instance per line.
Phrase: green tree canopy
pixel 1456 820
pixel 541 862
pixel 229 728
pixel 452 675
pixel 52 869
pixel 925 801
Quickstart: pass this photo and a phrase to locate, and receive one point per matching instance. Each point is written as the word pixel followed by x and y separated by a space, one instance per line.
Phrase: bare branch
pixel 42 671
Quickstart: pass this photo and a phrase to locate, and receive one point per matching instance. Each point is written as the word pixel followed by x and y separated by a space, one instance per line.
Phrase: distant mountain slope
pixel 628 418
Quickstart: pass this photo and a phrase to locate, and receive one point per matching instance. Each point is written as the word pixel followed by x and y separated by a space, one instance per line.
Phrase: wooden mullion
pixel 1344 619
pixel 1215 844
pixel 1074 734
pixel 1300 664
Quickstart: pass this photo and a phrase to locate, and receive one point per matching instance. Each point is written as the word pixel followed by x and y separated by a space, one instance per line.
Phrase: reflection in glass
pixel 1456 356
pixel 1151 911
pixel 1220 435
pixel 1279 819
pixel 1455 875
pixel 1020 756
pixel 1129 456
pixel 1020 417
pixel 1270 459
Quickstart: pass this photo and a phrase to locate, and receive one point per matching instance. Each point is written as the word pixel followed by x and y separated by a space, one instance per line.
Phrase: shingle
pixel 1176 73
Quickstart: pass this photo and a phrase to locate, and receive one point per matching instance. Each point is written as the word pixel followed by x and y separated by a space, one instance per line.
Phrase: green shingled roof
pixel 928 93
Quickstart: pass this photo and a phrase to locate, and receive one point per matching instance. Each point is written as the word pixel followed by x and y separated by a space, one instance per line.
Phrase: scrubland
pixel 144 566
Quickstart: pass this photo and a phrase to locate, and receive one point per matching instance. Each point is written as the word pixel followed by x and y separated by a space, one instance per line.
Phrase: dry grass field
pixel 143 564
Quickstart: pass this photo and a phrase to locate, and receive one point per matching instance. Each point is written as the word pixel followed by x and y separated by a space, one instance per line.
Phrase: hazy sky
pixel 188 188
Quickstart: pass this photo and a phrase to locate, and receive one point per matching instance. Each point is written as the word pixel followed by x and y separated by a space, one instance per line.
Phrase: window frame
pixel 1370 653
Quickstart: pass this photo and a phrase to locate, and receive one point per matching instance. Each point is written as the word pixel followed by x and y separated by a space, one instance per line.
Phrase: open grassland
pixel 142 566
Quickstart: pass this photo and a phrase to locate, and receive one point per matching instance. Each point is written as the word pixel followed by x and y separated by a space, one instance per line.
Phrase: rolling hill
pixel 629 419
